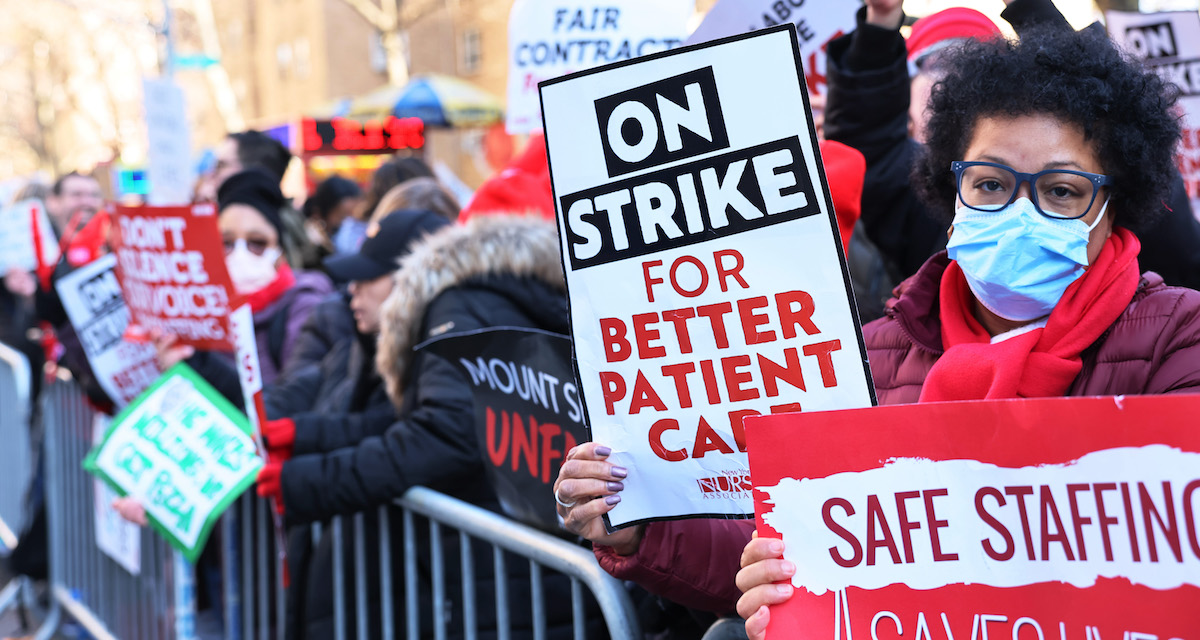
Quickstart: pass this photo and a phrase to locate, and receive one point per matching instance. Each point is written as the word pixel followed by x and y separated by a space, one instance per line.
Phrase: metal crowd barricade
pixel 16 460
pixel 254 597
pixel 87 585
pixel 160 603
pixel 16 456
pixel 473 524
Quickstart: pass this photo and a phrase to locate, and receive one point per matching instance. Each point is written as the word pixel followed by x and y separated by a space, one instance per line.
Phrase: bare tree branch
pixel 373 14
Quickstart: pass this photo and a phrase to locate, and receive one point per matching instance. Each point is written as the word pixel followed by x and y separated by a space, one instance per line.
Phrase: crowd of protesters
pixel 1014 223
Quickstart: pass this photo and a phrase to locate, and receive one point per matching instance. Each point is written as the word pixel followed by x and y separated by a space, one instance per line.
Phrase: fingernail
pixel 612 499
pixel 619 472
pixel 776 547
pixel 788 567
pixel 783 589
pixel 615 486
pixel 603 451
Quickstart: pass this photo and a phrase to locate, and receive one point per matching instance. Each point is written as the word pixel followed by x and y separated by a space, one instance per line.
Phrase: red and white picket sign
pixel 1060 518
pixel 171 265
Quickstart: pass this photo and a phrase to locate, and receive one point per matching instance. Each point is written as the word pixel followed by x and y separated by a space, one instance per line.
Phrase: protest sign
pixel 548 39
pixel 117 538
pixel 1054 518
pixel 92 299
pixel 169 155
pixel 1169 44
pixel 704 269
pixel 17 236
pixel 527 411
pixel 171 266
pixel 184 451
pixel 816 25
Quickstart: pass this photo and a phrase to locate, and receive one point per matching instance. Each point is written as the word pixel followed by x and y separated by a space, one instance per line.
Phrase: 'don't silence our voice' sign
pixel 171 265
pixel 703 264
pixel 1052 518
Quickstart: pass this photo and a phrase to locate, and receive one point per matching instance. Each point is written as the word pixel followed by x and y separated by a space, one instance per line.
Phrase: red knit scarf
pixel 1042 362
pixel 264 297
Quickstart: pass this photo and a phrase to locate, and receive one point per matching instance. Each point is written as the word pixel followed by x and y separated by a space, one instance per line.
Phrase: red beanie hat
pixel 845 168
pixel 524 186
pixel 934 31
pixel 521 187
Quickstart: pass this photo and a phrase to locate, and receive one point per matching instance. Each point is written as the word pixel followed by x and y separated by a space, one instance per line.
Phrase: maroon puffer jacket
pixel 1153 348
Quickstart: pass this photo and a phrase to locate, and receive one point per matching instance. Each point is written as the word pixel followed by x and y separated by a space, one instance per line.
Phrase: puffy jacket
pixel 276 329
pixel 493 271
pixel 1152 348
pixel 329 327
pixel 295 305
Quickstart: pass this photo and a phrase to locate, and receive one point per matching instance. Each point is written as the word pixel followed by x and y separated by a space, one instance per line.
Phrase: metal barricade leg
pixel 339 580
pixel 385 575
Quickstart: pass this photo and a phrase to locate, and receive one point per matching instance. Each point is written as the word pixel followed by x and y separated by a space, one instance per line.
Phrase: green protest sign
pixel 184 451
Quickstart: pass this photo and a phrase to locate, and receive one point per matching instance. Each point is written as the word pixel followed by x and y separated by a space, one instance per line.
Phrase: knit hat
pixel 254 188
pixel 521 187
pixel 845 169
pixel 936 31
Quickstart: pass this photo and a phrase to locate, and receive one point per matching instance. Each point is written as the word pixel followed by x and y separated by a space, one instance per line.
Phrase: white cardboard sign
pixel 704 269
pixel 816 24
pixel 117 538
pixel 92 299
pixel 16 236
pixel 1169 43
pixel 547 39
pixel 170 151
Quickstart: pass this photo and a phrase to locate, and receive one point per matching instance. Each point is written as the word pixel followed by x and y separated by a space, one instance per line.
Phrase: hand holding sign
pixel 763 582
pixel 592 486
pixel 168 349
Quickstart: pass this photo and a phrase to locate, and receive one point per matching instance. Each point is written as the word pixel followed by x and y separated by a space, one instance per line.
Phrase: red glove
pixel 270 483
pixel 280 436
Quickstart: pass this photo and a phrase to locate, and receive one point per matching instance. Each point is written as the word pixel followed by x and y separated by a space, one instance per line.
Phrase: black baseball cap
pixel 380 254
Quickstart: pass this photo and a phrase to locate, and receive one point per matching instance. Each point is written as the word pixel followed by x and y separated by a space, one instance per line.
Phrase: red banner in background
pixel 171 265
pixel 1047 519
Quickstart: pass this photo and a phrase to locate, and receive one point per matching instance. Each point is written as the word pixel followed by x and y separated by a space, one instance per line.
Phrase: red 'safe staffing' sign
pixel 1047 519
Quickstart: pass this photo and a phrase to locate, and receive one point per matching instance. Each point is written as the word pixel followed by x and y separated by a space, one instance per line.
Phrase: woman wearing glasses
pixel 1044 157
pixel 1049 153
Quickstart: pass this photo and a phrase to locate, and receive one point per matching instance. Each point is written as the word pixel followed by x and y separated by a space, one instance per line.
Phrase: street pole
pixel 169 36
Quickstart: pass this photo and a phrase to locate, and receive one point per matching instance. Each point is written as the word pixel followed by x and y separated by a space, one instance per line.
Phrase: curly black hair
pixel 1079 77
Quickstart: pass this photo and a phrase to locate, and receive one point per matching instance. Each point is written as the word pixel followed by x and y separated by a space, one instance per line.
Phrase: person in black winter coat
pixel 493 271
pixel 338 400
pixel 868 109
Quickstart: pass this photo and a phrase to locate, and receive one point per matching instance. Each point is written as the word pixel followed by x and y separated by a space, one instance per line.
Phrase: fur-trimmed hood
pixel 483 246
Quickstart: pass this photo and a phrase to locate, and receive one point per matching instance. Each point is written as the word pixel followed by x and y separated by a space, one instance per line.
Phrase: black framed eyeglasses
pixel 1061 194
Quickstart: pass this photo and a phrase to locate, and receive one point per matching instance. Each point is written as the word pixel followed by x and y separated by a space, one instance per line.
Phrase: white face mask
pixel 249 272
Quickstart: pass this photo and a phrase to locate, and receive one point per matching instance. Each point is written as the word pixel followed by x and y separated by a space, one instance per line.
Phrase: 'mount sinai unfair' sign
pixel 704 269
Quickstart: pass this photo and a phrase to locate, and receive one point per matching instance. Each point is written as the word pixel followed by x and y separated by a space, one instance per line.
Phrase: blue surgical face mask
pixel 1018 262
